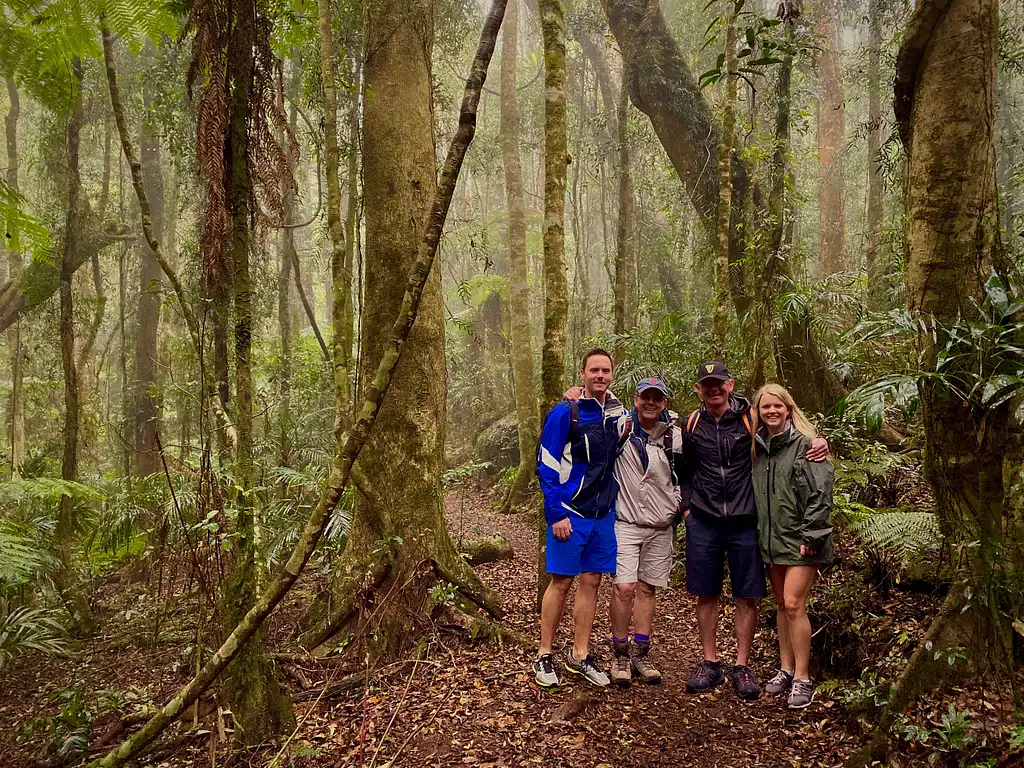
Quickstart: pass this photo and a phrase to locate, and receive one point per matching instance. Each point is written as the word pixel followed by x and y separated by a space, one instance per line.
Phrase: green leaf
pixel 765 61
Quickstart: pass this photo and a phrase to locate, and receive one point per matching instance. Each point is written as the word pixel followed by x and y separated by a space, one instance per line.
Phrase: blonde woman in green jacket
pixel 794 504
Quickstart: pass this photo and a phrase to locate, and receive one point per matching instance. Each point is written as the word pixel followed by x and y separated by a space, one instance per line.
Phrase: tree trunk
pixel 287 257
pixel 720 318
pixel 259 707
pixel 341 278
pixel 945 111
pixel 16 413
pixel 147 415
pixel 405 457
pixel 352 211
pixel 831 113
pixel 875 272
pixel 624 248
pixel 518 268
pixel 556 159
pixel 64 578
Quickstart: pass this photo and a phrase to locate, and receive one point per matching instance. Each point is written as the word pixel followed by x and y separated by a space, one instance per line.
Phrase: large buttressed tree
pixel 945 111
pixel 398 535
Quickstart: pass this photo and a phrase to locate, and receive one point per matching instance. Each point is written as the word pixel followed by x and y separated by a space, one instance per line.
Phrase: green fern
pixel 30 629
pixel 900 532
pixel 20 559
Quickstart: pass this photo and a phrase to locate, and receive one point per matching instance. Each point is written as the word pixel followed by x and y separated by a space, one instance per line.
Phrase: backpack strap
pixel 626 432
pixel 574 419
pixel 747 422
pixel 691 422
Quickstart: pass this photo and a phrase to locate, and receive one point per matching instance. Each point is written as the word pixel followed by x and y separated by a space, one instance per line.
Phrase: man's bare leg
pixel 583 613
pixel 622 608
pixel 643 609
pixel 746 625
pixel 707 625
pixel 552 608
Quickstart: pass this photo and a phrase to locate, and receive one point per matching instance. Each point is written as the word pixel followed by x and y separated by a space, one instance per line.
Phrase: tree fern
pixel 20 559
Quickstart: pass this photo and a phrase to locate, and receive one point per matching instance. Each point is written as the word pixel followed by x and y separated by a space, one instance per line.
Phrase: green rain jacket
pixel 793 498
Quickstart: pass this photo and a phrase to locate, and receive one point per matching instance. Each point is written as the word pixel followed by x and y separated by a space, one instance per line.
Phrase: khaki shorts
pixel 645 554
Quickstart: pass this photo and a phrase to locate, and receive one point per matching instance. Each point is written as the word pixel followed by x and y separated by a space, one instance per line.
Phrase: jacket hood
pixel 785 437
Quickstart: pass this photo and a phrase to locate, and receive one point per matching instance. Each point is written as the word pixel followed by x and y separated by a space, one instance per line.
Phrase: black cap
pixel 653 383
pixel 712 369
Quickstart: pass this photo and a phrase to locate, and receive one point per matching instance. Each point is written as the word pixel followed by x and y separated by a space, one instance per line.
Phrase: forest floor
pixel 457 705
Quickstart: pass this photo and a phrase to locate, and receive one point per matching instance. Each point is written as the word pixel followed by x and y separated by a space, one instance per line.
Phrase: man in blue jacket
pixel 576 465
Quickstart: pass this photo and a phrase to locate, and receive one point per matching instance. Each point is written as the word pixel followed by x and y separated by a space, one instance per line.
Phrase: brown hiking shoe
pixel 644 667
pixel 621 674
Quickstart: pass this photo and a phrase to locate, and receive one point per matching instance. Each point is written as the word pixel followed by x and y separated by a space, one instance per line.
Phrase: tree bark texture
pixel 945 108
pixel 624 248
pixel 64 578
pixel 16 412
pixel 875 189
pixel 556 159
pixel 341 277
pixel 518 267
pixel 831 114
pixel 147 459
pixel 720 317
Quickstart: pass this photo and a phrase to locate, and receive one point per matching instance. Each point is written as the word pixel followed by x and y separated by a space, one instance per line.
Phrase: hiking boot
pixel 587 668
pixel 707 675
pixel 745 683
pixel 801 695
pixel 544 671
pixel 780 683
pixel 643 666
pixel 621 674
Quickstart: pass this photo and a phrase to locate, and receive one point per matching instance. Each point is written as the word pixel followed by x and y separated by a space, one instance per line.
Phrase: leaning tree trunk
pixel 625 249
pixel 945 111
pixel 831 113
pixel 64 577
pixel 147 458
pixel 16 414
pixel 404 504
pixel 518 267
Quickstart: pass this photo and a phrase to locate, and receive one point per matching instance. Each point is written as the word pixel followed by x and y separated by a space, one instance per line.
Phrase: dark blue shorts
pixel 707 547
pixel 590 548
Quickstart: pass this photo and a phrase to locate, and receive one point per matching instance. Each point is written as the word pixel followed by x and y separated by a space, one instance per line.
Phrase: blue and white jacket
pixel 576 465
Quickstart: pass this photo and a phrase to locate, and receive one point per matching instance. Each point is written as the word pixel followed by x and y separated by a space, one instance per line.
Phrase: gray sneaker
pixel 802 694
pixel 779 684
pixel 544 671
pixel 587 668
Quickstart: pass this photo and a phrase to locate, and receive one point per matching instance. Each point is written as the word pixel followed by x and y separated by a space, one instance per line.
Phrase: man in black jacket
pixel 717 497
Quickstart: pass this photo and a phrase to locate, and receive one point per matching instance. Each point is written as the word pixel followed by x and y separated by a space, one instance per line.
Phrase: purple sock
pixel 620 640
pixel 639 639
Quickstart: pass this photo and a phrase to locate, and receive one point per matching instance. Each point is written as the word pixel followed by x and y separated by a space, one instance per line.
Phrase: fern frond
pixel 30 629
pixel 903 533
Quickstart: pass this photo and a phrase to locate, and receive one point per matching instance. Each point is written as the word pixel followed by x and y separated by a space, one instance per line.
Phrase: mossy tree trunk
pixel 65 577
pixel 518 266
pixel 16 413
pixel 945 111
pixel 260 708
pixel 556 286
pixel 399 531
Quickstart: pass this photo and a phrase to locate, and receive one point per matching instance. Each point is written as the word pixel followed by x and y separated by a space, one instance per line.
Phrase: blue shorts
pixel 590 548
pixel 707 547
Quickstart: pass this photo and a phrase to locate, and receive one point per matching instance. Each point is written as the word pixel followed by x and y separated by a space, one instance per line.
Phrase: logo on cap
pixel 709 368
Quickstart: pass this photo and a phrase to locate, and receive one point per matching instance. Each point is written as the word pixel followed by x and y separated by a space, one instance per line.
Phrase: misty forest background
pixel 223 221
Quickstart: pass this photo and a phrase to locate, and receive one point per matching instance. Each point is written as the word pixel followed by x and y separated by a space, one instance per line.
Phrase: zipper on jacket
pixel 768 488
pixel 721 467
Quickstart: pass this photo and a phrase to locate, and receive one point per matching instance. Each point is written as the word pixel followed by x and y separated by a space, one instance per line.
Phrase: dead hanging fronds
pixel 234 64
